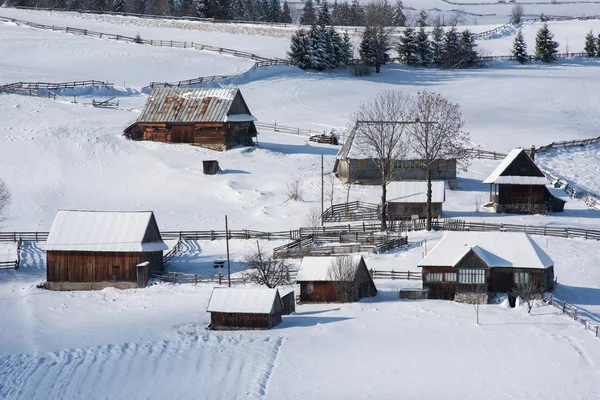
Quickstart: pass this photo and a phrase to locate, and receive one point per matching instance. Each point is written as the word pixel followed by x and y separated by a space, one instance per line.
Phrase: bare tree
pixel 293 189
pixel 330 188
pixel 528 291
pixel 266 270
pixel 380 125
pixel 477 296
pixel 313 219
pixel 437 136
pixel 4 200
pixel 516 14
pixel 342 273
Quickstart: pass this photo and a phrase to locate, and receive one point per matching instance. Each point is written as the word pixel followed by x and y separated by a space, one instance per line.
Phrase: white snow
pixel 415 192
pixel 497 249
pixel 243 300
pixel 504 164
pixel 313 269
pixel 240 118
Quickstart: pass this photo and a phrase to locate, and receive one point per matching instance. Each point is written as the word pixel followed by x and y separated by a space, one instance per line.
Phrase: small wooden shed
pixel 517 185
pixel 409 198
pixel 215 118
pixel 244 308
pixel 463 261
pixel 91 250
pixel 319 284
pixel 288 298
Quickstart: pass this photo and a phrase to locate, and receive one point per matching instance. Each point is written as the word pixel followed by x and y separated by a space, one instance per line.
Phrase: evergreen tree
pixel 545 46
pixel 468 54
pixel 202 8
pixel 299 49
pixel 423 47
pixel 347 48
pixel 318 52
pixel 451 55
pixel 75 5
pixel 186 8
pixel 407 47
pixel 286 16
pixel 437 45
pixel 356 14
pixel 308 13
pixel 398 17
pixel 324 17
pixel 422 21
pixel 519 50
pixel 119 6
pixel 150 7
pixel 238 10
pixel 375 47
pixel 274 12
pixel 598 43
pixel 319 48
pixel 591 45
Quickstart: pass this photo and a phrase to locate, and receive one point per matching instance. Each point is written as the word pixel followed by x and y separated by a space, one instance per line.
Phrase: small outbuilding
pixel 215 118
pixel 334 279
pixel 463 262
pixel 244 308
pixel 91 250
pixel 409 198
pixel 517 185
pixel 288 298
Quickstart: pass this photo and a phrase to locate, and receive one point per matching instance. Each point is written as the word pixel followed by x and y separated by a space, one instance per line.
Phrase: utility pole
pixel 322 191
pixel 227 244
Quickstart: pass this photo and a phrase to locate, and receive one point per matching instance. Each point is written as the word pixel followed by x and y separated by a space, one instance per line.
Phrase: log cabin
pixel 91 250
pixel 497 261
pixel 244 308
pixel 320 283
pixel 217 119
pixel 353 164
pixel 408 199
pixel 517 185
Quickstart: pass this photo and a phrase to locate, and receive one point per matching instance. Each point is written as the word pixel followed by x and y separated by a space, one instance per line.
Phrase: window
pixel 309 288
pixel 442 165
pixel 450 277
pixel 434 277
pixel 521 277
pixel 471 275
pixel 362 165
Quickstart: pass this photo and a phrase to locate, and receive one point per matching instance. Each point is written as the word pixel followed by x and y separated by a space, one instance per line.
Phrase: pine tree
pixel 519 50
pixel 407 47
pixel 74 4
pixel 347 48
pixel 437 45
pixel 545 46
pixel 299 48
pixel 202 9
pixel 318 53
pixel 286 16
pixel 274 12
pixel 451 55
pixel 319 48
pixel 468 54
pixel 375 47
pixel 150 7
pixel 308 13
pixel 422 21
pixel 119 6
pixel 591 45
pixel 356 14
pixel 423 47
pixel 324 17
pixel 598 43
pixel 398 17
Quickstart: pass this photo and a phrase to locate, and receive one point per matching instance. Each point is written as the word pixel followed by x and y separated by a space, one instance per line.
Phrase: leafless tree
pixel 330 189
pixel 266 270
pixel 457 18
pixel 293 189
pixel 438 135
pixel 517 14
pixel 380 125
pixel 313 219
pixel 528 291
pixel 477 296
pixel 342 272
pixel 4 200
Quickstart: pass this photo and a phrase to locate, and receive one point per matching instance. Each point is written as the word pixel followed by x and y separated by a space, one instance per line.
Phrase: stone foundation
pixel 68 286
pixel 414 294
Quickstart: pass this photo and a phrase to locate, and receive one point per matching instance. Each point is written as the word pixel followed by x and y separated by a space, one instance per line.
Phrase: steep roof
pixel 317 268
pixel 178 105
pixel 500 175
pixel 244 300
pixel 105 231
pixel 415 192
pixel 496 249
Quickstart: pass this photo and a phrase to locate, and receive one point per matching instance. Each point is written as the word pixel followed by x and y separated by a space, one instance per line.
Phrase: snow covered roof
pixel 244 300
pixel 115 231
pixel 415 192
pixel 177 105
pixel 317 268
pixel 497 249
pixel 497 176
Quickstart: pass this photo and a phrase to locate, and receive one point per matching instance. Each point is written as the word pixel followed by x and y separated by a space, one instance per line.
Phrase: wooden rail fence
pixel 11 87
pixel 573 312
pixel 13 264
pixel 566 144
pixel 403 275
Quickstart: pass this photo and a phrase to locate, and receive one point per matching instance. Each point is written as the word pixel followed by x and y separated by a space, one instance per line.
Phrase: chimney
pixel 532 152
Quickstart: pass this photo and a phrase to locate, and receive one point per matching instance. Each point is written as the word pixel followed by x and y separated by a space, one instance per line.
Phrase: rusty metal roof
pixel 188 105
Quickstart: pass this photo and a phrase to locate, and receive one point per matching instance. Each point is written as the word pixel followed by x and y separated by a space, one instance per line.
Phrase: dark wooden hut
pixel 409 198
pixel 288 298
pixel 517 185
pixel 462 262
pixel 244 308
pixel 91 250
pixel 319 284
pixel 353 165
pixel 218 119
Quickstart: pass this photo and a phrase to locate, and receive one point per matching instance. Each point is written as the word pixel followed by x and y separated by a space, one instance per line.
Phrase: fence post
pixel 392 274
pixel 597 330
pixel 550 302
pixel 575 315
pixel 564 307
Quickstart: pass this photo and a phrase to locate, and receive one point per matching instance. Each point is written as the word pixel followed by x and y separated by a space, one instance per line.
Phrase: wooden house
pixel 517 185
pixel 409 198
pixel 217 119
pixel 318 282
pixel 288 298
pixel 353 164
pixel 244 308
pixel 91 250
pixel 463 261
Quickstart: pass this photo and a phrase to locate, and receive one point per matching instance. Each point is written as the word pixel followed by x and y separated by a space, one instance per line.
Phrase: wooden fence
pixel 486 154
pixel 172 253
pixel 11 87
pixel 567 143
pixel 352 211
pixel 572 312
pixel 188 82
pixel 180 277
pixel 404 275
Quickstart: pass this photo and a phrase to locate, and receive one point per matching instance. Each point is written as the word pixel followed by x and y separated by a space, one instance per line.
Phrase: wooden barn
pixel 408 199
pixel 353 165
pixel 244 308
pixel 288 298
pixel 217 119
pixel 463 261
pixel 319 284
pixel 91 250
pixel 517 185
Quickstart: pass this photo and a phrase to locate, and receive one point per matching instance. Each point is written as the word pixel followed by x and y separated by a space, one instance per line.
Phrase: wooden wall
pixel 230 321
pixel 322 292
pixel 289 303
pixel 397 210
pixel 366 171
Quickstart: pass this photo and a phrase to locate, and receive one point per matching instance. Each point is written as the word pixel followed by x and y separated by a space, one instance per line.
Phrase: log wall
pixel 230 321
